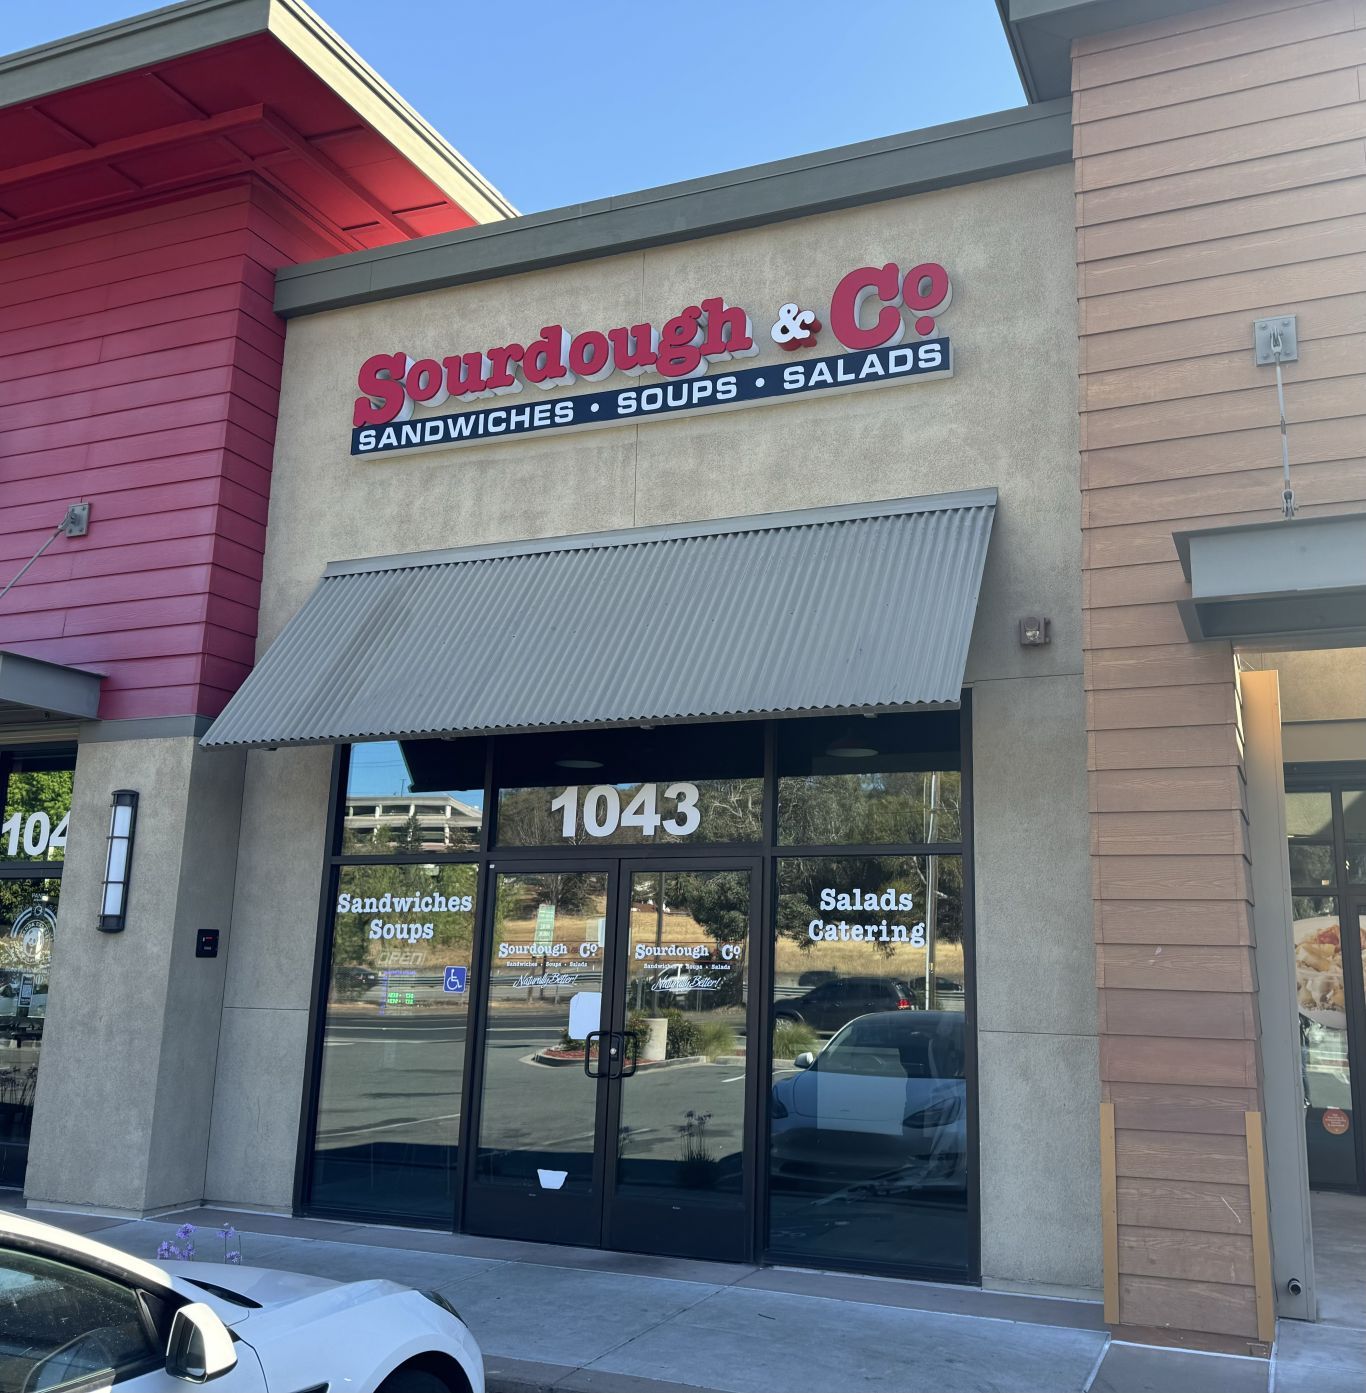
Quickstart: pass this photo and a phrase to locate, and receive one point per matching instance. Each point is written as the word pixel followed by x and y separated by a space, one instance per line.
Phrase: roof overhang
pixel 33 691
pixel 209 88
pixel 1040 33
pixel 866 606
pixel 1297 582
pixel 897 166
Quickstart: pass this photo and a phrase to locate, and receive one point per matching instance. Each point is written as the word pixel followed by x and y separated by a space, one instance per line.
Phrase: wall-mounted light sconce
pixel 1034 633
pixel 118 861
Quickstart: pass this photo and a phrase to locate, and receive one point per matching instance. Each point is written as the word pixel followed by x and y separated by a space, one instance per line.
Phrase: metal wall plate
pixel 1262 329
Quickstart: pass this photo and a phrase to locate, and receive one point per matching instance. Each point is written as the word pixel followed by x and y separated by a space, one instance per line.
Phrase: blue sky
pixel 559 103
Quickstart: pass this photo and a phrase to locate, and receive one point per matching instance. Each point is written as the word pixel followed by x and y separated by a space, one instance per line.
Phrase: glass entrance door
pixel 617 1094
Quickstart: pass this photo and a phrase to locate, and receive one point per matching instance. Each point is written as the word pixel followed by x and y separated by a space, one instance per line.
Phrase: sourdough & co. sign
pixel 865 316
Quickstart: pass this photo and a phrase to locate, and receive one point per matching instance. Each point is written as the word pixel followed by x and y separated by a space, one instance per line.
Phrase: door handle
pixel 634 1054
pixel 588 1040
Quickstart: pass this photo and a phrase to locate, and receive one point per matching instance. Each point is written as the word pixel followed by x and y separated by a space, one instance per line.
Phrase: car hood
pixel 264 1286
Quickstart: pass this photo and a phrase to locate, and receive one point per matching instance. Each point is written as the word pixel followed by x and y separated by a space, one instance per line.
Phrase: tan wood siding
pixel 1220 177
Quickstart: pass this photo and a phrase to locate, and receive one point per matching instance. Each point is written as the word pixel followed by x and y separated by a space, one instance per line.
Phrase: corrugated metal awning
pixel 827 609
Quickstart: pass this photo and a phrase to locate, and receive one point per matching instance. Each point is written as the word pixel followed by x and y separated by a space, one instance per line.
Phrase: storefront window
pixel 394 1040
pixel 660 906
pixel 696 811
pixel 868 1099
pixel 397 805
pixel 1324 1053
pixel 874 782
pixel 28 918
pixel 1354 825
pixel 1309 825
pixel 37 807
pixel 676 785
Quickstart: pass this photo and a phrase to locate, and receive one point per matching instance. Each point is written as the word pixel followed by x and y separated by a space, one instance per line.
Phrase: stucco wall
pixel 1008 418
pixel 132 1032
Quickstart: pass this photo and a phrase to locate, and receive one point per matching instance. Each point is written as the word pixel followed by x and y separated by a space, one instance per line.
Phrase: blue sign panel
pixel 907 362
pixel 455 979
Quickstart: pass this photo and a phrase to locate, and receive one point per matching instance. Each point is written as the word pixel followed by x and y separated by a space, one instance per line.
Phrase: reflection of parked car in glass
pixel 833 1003
pixel 948 993
pixel 885 1097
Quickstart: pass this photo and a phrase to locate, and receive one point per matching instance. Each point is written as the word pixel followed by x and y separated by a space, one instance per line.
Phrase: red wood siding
pixel 140 370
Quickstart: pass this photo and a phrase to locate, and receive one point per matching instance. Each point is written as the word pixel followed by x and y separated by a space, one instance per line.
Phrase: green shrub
pixel 714 1038
pixel 682 1035
pixel 791 1038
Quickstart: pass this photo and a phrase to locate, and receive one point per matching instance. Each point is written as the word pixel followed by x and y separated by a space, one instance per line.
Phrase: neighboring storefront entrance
pixel 715 1003
pixel 1326 820
pixel 35 792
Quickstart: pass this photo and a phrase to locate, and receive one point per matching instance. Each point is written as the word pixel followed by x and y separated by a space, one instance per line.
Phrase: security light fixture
pixel 1034 632
pixel 118 862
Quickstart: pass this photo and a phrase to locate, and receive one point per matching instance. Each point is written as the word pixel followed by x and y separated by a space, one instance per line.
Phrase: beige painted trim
pixel 367 93
pixel 1261 1228
pixel 1315 742
pixel 1109 1212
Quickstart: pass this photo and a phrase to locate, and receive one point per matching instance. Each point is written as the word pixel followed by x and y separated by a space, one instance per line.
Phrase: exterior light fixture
pixel 1034 633
pixel 578 764
pixel 118 862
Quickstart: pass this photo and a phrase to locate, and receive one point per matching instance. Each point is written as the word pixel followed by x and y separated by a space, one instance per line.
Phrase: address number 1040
pixel 600 812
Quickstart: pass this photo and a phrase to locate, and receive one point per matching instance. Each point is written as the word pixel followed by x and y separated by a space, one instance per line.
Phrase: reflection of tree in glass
pixel 30 791
pixel 729 810
pixel 801 880
pixel 869 808
pixel 351 941
pixel 719 903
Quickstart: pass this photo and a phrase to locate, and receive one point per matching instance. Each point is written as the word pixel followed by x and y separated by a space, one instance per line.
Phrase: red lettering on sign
pixel 680 344
pixel 728 330
pixel 543 362
pixel 846 306
pixel 426 381
pixel 633 350
pixel 381 380
pixel 467 376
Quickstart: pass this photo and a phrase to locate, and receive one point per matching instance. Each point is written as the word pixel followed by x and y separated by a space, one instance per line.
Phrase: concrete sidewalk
pixel 579 1319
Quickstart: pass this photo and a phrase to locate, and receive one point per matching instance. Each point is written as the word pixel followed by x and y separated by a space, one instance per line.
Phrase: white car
pixel 78 1317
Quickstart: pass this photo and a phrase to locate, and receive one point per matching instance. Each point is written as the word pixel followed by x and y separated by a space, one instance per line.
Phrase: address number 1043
pixel 600 812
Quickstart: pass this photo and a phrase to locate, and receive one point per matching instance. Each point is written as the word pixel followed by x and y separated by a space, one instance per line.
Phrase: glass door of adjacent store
pixel 616 1088
pixel 1327 826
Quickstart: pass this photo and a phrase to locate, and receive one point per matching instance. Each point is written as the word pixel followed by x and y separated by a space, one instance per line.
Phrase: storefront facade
pixel 719 713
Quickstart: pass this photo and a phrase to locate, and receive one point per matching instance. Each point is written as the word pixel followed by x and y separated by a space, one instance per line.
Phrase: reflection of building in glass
pixel 426 823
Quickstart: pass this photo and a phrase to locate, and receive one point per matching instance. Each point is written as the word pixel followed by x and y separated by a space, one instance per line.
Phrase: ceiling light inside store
pixel 578 764
pixel 846 747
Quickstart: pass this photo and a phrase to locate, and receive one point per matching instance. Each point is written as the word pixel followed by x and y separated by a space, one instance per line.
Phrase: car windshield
pixel 900 1045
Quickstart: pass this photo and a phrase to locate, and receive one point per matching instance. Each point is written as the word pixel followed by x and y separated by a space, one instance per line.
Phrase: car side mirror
pixel 804 1060
pixel 200 1345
